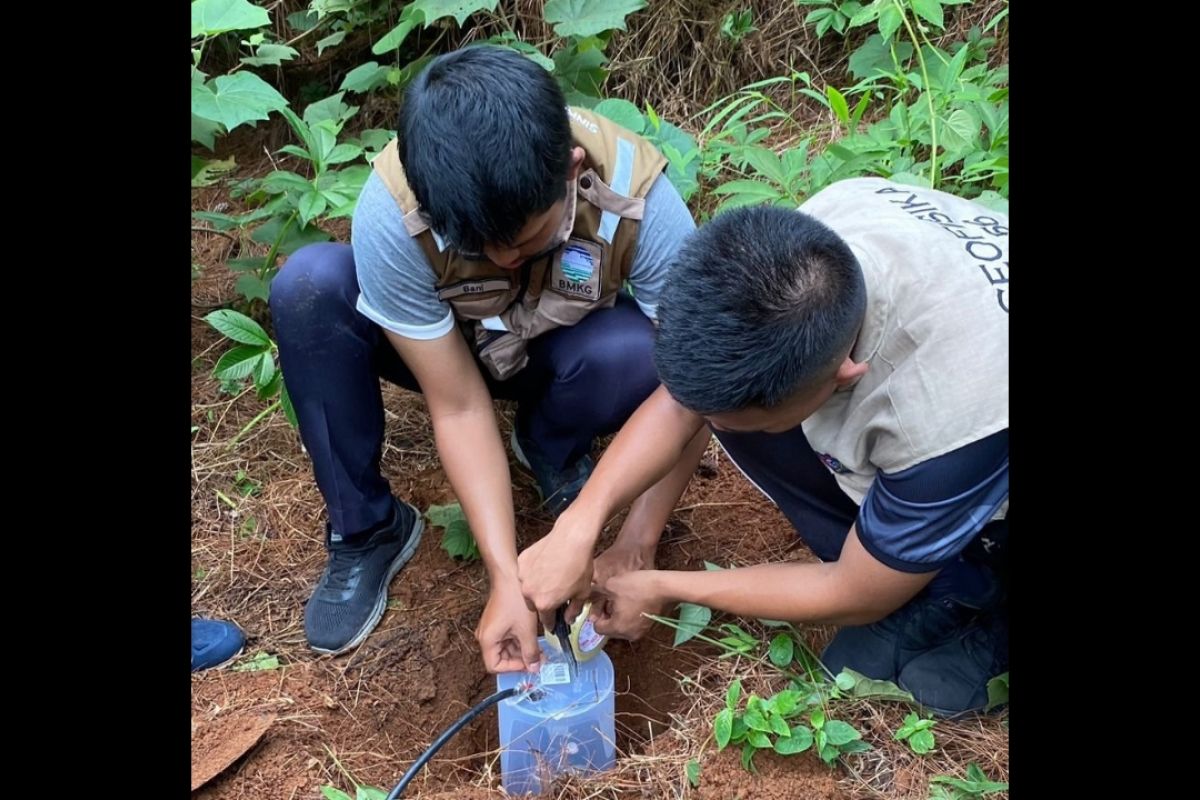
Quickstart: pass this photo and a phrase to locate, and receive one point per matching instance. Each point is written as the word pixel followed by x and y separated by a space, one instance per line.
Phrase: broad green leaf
pixel 997 687
pixel 800 740
pixel 930 10
pixel 589 17
pixel 839 732
pixel 238 362
pixel 692 619
pixel 239 327
pixel 252 287
pixel 723 727
pixel 782 650
pixel 457 540
pixel 693 772
pixel 239 98
pixel 364 77
pixel 210 17
pixel 921 742
pixel 409 19
pixel 459 9
pixel 733 694
pixel 271 55
pixel 622 112
pixel 332 40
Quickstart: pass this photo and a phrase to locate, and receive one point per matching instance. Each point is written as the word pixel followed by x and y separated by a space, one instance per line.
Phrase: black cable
pixel 447 734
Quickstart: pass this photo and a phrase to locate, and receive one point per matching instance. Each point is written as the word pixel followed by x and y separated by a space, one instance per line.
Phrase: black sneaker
pixel 352 594
pixel 556 488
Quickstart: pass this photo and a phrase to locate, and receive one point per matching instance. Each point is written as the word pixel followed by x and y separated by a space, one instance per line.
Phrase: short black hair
pixel 485 143
pixel 759 304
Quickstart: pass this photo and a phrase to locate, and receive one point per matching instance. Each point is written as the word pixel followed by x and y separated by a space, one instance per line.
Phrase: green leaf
pixel 459 9
pixel 868 13
pixel 364 77
pixel 332 40
pixel 828 753
pixel 239 98
pixel 755 721
pixel 205 131
pixel 748 751
pixel 262 661
pixel 264 371
pixel 723 727
pixel 800 740
pixel 334 794
pixel 409 19
pixel 837 102
pixel 238 362
pixel 856 746
pixel 332 108
pixel 782 650
pixel 252 287
pixel 759 739
pixel 206 173
pixel 997 687
pixel 239 327
pixel 693 773
pixel 875 54
pixel 844 681
pixel 785 703
pixel 589 17
pixel 293 239
pixel 931 11
pixel 369 793
pixel 622 112
pixel 890 20
pixel 311 205
pixel 457 540
pixel 271 387
pixel 817 718
pixel 869 687
pixel 778 726
pixel 961 129
pixel 692 619
pixel 908 728
pixel 271 55
pixel 840 733
pixel 580 67
pixel 284 181
pixel 733 693
pixel 210 17
pixel 921 742
pixel 343 153
pixel 509 40
pixel 289 411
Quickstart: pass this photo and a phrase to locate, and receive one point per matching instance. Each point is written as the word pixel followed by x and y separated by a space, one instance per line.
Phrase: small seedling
pixel 918 733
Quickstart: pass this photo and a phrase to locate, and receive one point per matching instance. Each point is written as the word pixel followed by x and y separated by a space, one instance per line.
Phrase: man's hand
pixel 622 557
pixel 621 602
pixel 507 632
pixel 556 570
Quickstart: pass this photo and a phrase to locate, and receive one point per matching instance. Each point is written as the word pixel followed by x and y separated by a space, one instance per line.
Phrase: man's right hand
pixel 557 570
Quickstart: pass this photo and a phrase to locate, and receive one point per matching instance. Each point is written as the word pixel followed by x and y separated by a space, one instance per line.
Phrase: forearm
pixel 649 448
pixel 476 464
pixel 802 593
pixel 648 514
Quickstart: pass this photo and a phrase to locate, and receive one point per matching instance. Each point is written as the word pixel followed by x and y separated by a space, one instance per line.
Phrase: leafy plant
pixel 360 793
pixel 457 539
pixel 253 358
pixel 830 14
pixel 764 724
pixel 976 785
pixel 737 25
pixel 918 733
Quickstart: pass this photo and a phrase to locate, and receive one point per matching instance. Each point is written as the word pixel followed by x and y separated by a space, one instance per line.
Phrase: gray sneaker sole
pixel 402 558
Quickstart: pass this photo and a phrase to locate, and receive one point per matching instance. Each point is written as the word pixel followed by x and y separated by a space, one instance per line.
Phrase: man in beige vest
pixel 852 359
pixel 490 254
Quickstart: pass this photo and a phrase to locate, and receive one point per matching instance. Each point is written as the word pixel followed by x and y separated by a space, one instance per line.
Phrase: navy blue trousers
pixel 581 382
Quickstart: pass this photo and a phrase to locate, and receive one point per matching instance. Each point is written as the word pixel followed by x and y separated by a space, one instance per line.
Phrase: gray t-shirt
pixel 397 283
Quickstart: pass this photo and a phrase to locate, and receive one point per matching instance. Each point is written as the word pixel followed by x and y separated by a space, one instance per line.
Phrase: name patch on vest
pixel 576 270
pixel 467 288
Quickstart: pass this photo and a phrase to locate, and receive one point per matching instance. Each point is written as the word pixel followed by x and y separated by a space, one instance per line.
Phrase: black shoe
pixel 557 488
pixel 351 596
pixel 951 680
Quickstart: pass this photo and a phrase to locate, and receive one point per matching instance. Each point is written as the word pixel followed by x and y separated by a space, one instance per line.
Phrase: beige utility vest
pixel 935 335
pixel 511 306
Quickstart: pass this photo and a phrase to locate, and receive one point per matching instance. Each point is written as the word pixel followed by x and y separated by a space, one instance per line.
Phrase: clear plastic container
pixel 560 727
